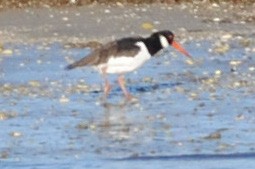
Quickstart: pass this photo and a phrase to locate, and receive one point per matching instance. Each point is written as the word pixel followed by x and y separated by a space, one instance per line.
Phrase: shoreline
pixel 106 22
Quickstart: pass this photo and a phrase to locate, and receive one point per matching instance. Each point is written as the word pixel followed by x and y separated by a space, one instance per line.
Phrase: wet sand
pixel 105 22
pixel 188 115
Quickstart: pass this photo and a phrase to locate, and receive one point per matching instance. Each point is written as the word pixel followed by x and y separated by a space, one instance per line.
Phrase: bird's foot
pixel 107 89
pixel 131 98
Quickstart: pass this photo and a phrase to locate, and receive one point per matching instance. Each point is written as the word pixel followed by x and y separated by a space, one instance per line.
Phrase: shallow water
pixel 186 115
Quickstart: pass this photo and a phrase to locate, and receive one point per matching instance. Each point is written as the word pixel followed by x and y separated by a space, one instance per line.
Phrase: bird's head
pixel 166 38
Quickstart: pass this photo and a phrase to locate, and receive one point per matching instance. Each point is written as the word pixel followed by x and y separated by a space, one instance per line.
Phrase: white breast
pixel 124 64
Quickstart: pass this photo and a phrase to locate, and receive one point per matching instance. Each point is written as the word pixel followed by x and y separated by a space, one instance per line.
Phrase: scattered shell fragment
pixel 245 42
pixel 218 72
pixel 179 89
pixel 216 19
pixel 226 37
pixel 147 26
pixel 4 155
pixel 251 68
pixel 107 11
pixel 34 83
pixel 193 96
pixel 5 115
pixel 190 62
pixel 148 79
pixel 213 136
pixel 83 125
pixel 7 52
pixel 235 62
pixel 239 117
pixel 119 4
pixel 64 99
pixel 16 134
pixel 222 48
pixel 65 18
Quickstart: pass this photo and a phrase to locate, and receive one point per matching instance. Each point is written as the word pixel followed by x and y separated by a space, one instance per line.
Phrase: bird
pixel 126 55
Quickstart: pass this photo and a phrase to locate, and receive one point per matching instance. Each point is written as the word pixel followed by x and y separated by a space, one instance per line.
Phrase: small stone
pixel 65 18
pixel 252 68
pixel 235 62
pixel 216 19
pixel 7 52
pixel 190 62
pixel 239 117
pixel 217 72
pixel 226 37
pixel 222 48
pixel 4 155
pixel 147 26
pixel 213 136
pixel 107 11
pixel 16 134
pixel 119 4
pixel 34 83
pixel 64 99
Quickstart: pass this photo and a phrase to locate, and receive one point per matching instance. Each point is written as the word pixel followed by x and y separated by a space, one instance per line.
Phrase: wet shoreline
pixel 52 118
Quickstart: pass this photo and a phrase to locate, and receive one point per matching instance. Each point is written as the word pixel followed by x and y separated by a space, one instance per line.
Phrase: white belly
pixel 126 64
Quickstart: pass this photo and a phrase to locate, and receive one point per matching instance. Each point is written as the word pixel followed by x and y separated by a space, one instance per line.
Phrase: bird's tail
pixel 71 66
pixel 82 62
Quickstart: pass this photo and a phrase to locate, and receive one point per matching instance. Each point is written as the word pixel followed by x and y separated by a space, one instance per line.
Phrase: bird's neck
pixel 153 45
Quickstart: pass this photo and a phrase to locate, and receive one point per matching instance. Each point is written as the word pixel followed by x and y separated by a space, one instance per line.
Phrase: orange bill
pixel 178 47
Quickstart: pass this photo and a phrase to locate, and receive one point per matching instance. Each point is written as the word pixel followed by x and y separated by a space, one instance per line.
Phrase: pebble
pixel 34 83
pixel 235 62
pixel 16 134
pixel 218 72
pixel 216 19
pixel 107 11
pixel 190 62
pixel 239 117
pixel 64 99
pixel 222 48
pixel 7 52
pixel 226 37
pixel 213 136
pixel 147 26
pixel 252 68
pixel 65 18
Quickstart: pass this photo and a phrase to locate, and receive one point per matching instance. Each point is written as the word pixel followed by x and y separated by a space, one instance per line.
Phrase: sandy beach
pixel 107 22
pixel 188 114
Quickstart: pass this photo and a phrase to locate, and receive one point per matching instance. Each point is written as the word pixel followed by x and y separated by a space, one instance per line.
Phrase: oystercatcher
pixel 127 54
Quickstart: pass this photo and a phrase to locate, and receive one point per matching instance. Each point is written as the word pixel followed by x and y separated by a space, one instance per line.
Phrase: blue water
pixel 177 109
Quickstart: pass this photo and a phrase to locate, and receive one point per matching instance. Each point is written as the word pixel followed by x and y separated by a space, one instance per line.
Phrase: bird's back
pixel 124 47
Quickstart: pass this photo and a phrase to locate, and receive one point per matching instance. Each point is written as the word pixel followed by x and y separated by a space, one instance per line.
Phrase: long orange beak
pixel 178 47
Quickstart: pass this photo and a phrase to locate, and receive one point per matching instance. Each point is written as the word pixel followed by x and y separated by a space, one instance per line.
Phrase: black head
pixel 166 38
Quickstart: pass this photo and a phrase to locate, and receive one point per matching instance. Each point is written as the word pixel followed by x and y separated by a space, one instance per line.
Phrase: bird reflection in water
pixel 115 123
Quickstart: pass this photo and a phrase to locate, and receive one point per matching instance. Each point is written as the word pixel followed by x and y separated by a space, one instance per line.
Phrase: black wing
pixel 123 47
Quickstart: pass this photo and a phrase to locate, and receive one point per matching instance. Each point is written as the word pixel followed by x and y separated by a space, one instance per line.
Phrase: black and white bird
pixel 126 55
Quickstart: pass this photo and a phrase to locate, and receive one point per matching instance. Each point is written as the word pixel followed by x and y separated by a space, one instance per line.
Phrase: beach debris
pixel 217 72
pixel 213 136
pixel 64 99
pixel 147 26
pixel 16 134
pixel 240 117
pixel 65 18
pixel 7 52
pixel 34 83
pixel 5 115
pixel 221 48
pixel 4 155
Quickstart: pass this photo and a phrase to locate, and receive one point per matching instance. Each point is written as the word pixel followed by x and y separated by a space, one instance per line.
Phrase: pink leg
pixel 107 86
pixel 121 80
